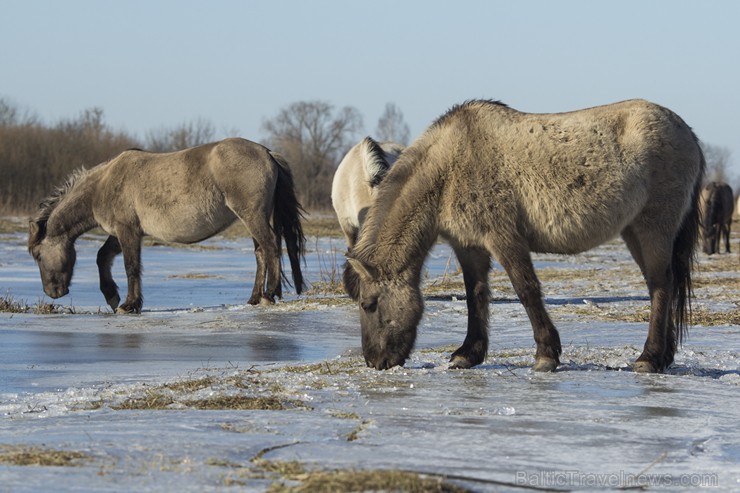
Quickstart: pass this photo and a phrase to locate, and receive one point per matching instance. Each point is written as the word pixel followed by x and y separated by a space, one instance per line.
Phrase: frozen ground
pixel 85 382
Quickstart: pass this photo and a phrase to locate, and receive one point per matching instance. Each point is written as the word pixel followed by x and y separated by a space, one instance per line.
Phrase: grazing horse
pixel 495 181
pixel 186 197
pixel 716 206
pixel 356 180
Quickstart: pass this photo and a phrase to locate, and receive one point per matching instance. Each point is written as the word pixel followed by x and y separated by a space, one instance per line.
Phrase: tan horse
pixel 495 181
pixel 356 180
pixel 185 197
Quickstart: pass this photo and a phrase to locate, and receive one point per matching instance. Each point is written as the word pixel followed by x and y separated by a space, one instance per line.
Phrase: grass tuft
pixel 377 480
pixel 39 456
pixel 9 305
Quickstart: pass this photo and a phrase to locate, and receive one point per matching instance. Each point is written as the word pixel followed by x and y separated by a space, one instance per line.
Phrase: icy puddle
pixel 202 393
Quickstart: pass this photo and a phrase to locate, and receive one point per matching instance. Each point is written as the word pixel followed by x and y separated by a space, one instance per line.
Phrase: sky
pixel 157 64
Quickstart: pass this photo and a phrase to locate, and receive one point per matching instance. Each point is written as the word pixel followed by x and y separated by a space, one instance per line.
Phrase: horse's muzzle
pixel 57 292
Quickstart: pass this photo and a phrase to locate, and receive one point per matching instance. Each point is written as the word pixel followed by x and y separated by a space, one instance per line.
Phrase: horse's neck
pixel 73 215
pixel 408 226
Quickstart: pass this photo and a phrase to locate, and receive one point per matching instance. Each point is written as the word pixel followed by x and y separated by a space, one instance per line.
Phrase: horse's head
pixel 55 258
pixel 390 310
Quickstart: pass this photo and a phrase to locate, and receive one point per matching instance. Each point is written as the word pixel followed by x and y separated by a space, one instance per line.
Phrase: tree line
pixel 36 157
pixel 313 136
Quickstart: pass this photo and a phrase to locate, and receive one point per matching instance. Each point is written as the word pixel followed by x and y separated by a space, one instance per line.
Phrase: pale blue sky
pixel 156 63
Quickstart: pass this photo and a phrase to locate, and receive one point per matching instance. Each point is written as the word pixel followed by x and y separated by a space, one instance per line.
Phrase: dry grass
pixel 13 225
pixel 195 275
pixel 17 455
pixel 155 400
pixel 314 225
pixel 699 316
pixel 324 225
pixel 355 434
pixel 377 480
pixel 9 305
pixel 175 395
pixel 44 308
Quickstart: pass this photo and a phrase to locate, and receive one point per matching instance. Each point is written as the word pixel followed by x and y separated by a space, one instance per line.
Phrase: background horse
pixel 717 206
pixel 185 197
pixel 495 181
pixel 355 181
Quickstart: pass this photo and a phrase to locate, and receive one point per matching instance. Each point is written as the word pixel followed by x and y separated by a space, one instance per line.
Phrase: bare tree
pixel 35 158
pixel 391 125
pixel 718 159
pixel 12 114
pixel 186 135
pixel 313 137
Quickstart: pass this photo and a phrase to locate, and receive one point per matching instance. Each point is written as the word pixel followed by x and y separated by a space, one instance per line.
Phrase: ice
pixel 592 425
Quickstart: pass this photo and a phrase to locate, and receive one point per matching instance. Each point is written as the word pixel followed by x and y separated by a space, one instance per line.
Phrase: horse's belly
pixel 186 225
pixel 574 234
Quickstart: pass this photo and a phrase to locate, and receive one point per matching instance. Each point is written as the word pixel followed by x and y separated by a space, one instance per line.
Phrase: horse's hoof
pixel 458 362
pixel 644 367
pixel 127 310
pixel 545 365
pixel 113 302
pixel 265 301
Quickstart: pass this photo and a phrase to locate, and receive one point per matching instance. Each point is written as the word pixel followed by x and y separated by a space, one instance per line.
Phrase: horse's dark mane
pixel 442 120
pixel 47 206
pixel 378 157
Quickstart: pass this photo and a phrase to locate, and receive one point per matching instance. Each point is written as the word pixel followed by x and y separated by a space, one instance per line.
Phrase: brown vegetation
pixel 17 455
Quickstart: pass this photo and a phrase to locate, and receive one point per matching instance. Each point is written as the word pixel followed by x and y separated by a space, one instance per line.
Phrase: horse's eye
pixel 369 305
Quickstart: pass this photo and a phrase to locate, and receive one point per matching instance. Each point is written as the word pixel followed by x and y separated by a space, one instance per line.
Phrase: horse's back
pixel 570 181
pixel 184 196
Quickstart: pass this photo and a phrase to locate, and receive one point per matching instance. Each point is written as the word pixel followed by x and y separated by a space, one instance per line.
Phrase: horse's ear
pixel 366 272
pixel 36 232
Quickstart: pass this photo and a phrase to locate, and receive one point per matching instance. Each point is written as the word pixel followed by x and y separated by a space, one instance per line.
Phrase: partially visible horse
pixel 356 180
pixel 717 206
pixel 186 197
pixel 495 181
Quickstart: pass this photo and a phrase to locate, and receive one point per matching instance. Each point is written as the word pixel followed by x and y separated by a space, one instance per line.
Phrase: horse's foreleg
pixel 475 264
pixel 131 247
pixel 108 286
pixel 517 263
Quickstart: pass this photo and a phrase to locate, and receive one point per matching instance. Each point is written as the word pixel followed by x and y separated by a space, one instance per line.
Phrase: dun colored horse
pixel 495 181
pixel 186 197
pixel 717 206
pixel 356 180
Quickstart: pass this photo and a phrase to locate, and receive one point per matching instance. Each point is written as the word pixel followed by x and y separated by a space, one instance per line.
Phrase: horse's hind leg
pixel 655 262
pixel 108 286
pixel 517 262
pixel 259 279
pixel 475 263
pixel 728 228
pixel 268 261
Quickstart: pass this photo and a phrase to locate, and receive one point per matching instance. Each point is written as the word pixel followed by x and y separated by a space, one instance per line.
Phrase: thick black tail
pixel 684 257
pixel 286 221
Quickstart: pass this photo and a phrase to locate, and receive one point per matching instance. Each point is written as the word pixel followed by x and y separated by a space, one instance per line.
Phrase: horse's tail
pixel 286 220
pixel 375 163
pixel 684 257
